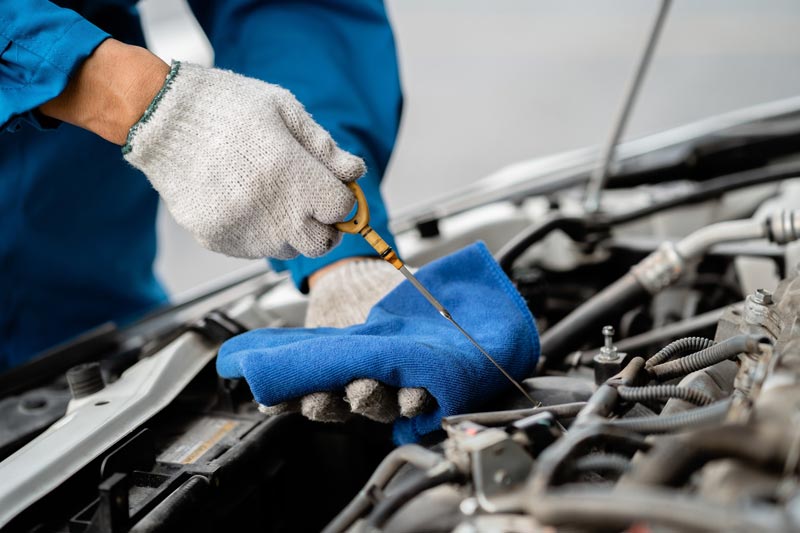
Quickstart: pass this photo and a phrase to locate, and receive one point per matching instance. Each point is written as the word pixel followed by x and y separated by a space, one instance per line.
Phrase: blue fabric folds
pixel 403 343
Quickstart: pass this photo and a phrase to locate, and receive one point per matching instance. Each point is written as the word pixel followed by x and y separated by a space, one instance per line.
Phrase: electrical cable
pixel 664 392
pixel 702 416
pixel 679 348
pixel 709 356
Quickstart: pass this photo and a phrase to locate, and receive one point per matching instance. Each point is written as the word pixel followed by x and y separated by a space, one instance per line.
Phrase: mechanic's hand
pixel 242 166
pixel 342 296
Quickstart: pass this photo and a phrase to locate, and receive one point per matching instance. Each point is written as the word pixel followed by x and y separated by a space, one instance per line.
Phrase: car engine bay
pixel 668 389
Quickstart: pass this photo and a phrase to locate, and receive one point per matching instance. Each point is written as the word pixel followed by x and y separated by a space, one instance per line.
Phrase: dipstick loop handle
pixel 360 224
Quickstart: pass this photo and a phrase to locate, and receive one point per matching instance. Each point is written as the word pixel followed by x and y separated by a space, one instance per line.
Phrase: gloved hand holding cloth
pixel 343 296
pixel 404 343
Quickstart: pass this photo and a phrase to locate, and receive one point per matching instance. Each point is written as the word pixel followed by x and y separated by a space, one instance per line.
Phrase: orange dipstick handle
pixel 360 224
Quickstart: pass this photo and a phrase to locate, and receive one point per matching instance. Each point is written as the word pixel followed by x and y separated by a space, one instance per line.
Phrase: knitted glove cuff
pixel 173 72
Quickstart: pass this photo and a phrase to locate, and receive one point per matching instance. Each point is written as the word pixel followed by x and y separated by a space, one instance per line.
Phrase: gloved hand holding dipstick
pixel 283 199
pixel 259 177
pixel 243 167
pixel 338 296
pixel 235 157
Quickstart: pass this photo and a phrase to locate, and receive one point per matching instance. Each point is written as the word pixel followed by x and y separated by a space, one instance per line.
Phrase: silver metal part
pixel 780 227
pixel 699 242
pixel 499 468
pixel 664 266
pixel 446 314
pixel 608 361
pixel 608 352
pixel 784 227
pixel 597 183
pixel 759 310
pixel 762 297
pixel 660 269
pixel 424 292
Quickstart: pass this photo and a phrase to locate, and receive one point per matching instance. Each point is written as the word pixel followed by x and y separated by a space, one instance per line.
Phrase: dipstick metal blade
pixel 446 314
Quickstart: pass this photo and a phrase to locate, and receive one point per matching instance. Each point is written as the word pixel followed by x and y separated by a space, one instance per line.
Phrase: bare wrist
pixel 110 91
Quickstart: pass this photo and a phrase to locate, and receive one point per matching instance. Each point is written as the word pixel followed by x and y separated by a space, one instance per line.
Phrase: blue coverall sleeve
pixel 41 46
pixel 338 57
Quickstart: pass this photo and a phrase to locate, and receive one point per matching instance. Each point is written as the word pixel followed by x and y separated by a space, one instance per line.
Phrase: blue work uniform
pixel 77 223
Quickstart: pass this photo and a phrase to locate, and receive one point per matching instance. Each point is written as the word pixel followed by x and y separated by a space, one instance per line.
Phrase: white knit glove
pixel 340 298
pixel 242 166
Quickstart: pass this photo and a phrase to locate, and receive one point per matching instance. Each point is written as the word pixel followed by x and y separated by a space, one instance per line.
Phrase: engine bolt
pixel 762 297
pixel 608 351
pixel 608 333
pixel 609 360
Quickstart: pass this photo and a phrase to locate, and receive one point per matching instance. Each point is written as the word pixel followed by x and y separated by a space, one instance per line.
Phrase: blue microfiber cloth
pixel 403 343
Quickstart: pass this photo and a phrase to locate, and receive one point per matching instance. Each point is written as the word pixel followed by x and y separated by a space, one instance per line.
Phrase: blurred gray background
pixel 491 82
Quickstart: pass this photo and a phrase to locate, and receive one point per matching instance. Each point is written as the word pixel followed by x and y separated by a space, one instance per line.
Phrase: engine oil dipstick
pixel 359 224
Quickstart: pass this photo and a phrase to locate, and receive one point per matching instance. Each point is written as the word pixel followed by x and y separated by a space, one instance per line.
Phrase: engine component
pixel 679 348
pixel 609 361
pixel 625 457
pixel 658 271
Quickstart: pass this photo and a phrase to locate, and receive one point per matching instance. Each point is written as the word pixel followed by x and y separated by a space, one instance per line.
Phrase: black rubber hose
pixel 576 228
pixel 577 442
pixel 679 348
pixel 413 454
pixel 673 460
pixel 394 501
pixel 710 356
pixel 664 392
pixel 602 462
pixel 710 414
pixel 601 509
pixel 570 333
